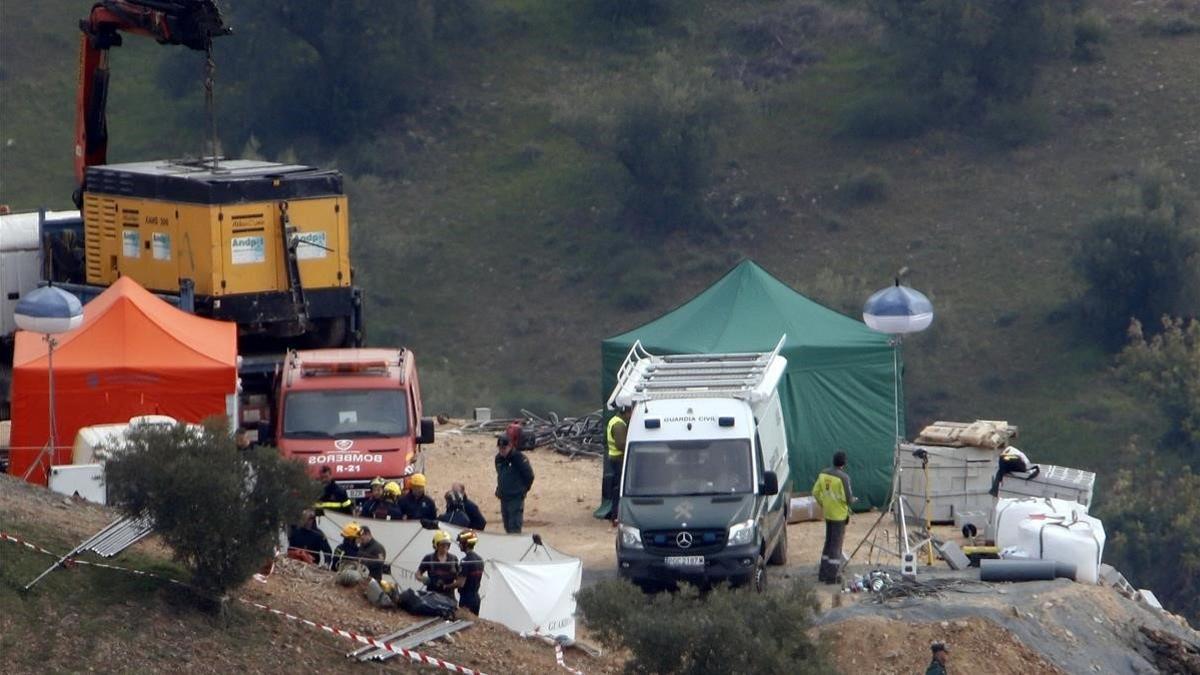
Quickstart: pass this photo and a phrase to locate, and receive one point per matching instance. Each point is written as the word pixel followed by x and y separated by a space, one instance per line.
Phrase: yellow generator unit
pixel 262 244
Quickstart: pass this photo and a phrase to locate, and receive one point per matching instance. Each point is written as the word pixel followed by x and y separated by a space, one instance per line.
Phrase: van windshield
pixel 345 413
pixel 673 468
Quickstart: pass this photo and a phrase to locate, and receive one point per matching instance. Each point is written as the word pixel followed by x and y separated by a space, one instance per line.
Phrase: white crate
pixel 959 479
pixel 1059 482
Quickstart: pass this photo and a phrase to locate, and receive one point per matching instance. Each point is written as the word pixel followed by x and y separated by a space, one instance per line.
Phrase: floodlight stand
pixel 52 444
pixel 908 560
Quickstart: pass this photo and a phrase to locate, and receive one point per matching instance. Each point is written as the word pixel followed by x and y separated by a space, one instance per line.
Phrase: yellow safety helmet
pixel 392 489
pixel 468 537
pixel 417 480
pixel 351 529
pixel 377 480
pixel 440 537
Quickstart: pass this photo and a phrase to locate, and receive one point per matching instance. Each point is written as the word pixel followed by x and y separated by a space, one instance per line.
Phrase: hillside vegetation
pixel 530 176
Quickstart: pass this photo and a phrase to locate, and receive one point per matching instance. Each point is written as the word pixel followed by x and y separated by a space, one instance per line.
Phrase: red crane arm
pixel 192 23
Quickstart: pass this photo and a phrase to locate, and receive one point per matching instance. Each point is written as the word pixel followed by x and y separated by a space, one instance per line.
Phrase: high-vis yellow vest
pixel 613 450
pixel 830 492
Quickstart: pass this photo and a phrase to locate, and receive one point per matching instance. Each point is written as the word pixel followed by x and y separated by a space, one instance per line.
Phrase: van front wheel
pixel 759 580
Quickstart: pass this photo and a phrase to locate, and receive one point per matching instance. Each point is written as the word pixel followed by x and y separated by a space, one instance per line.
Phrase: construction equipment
pixel 261 244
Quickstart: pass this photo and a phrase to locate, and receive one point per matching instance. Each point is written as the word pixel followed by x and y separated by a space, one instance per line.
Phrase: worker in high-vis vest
pixel 832 491
pixel 614 435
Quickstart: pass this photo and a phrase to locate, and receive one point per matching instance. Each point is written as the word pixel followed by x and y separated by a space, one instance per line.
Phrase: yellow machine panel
pixel 263 244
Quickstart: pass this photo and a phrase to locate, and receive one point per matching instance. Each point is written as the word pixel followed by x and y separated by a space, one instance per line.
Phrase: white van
pixel 706 455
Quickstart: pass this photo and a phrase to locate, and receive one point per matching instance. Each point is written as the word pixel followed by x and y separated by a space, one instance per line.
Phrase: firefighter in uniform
pixel 471 575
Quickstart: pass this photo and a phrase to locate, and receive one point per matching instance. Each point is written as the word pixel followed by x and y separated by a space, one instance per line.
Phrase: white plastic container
pixel 1077 540
pixel 1009 513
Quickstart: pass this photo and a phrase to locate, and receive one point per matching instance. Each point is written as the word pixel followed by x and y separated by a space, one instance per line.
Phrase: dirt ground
pixel 884 646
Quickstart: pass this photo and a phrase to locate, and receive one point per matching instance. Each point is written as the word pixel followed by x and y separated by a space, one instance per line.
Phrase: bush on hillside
pixel 1140 260
pixel 959 58
pixel 1091 32
pixel 321 72
pixel 885 117
pixel 1014 124
pixel 623 13
pixel 218 507
pixel 665 136
pixel 1167 366
pixel 725 630
pixel 868 186
pixel 1152 517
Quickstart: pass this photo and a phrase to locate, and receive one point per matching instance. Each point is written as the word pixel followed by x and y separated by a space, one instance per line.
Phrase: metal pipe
pixel 1024 570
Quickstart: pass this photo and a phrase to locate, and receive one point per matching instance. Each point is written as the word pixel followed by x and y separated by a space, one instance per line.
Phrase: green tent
pixel 838 391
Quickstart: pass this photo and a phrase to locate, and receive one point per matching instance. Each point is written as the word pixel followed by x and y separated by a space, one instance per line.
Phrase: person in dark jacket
pixel 471 574
pixel 308 543
pixel 940 654
pixel 371 553
pixel 373 499
pixel 415 504
pixel 461 511
pixel 514 478
pixel 333 496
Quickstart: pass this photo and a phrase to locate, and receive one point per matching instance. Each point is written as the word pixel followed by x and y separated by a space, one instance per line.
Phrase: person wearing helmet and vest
pixel 832 491
pixel 439 571
pixel 471 574
pixel 373 499
pixel 348 549
pixel 390 508
pixel 615 434
pixel 415 504
pixel 333 496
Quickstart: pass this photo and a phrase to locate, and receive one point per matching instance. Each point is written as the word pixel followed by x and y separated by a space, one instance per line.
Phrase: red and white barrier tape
pixel 416 657
pixel 558 656
pixel 4 536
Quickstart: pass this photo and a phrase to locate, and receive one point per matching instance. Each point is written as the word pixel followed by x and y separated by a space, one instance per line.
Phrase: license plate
pixel 684 561
pixel 356 493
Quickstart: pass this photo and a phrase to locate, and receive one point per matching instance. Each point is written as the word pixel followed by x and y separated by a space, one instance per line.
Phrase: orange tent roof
pixel 126 326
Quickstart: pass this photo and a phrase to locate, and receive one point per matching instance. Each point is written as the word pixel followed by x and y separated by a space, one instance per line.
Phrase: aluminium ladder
pixel 643 376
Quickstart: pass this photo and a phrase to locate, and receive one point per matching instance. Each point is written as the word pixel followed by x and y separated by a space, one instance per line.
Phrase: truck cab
pixel 706 454
pixel 357 411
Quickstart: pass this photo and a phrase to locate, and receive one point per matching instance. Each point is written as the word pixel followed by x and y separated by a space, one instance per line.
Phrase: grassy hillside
pixel 489 233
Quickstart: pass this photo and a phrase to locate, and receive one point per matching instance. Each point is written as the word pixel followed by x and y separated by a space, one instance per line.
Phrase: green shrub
pixel 868 186
pixel 1167 367
pixel 721 632
pixel 1171 27
pixel 666 138
pixel 964 55
pixel 1091 32
pixel 1013 124
pixel 632 12
pixel 219 508
pixel 885 117
pixel 1141 259
pixel 1152 516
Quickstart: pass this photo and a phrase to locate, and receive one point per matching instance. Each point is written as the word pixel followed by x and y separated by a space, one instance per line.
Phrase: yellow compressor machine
pixel 262 244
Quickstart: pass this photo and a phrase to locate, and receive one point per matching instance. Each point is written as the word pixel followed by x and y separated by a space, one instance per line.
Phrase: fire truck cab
pixel 357 411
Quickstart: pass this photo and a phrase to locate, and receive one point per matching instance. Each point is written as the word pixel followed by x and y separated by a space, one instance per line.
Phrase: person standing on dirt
pixel 615 435
pixel 514 478
pixel 833 493
pixel 938 665
pixel 471 573
pixel 439 571
pixel 371 552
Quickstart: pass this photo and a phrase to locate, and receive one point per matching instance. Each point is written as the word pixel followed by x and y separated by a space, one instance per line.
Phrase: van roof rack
pixel 746 375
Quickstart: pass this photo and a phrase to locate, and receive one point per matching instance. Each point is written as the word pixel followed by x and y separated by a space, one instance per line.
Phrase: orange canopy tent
pixel 133 355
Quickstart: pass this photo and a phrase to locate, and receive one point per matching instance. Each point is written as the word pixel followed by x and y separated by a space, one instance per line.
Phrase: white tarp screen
pixel 532 597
